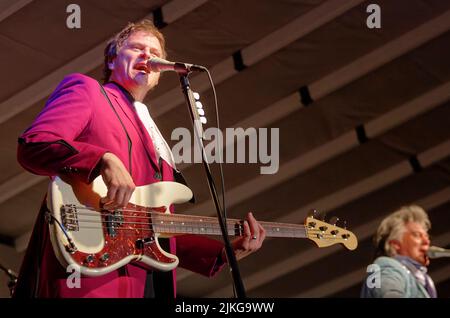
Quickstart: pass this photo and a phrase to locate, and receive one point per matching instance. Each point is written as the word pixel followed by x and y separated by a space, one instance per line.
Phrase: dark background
pixel 363 116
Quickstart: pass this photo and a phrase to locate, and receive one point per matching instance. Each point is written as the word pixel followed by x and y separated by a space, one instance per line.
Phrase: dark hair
pixel 117 41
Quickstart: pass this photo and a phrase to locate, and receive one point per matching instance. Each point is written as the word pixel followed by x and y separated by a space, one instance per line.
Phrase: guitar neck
pixel 190 224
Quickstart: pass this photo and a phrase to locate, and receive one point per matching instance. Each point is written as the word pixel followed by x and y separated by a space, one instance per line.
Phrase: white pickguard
pixel 91 240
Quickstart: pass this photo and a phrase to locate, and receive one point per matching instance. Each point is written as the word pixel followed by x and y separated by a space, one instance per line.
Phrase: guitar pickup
pixel 113 221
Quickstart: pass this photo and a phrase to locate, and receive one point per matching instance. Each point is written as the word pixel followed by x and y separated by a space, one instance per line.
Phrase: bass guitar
pixel 99 241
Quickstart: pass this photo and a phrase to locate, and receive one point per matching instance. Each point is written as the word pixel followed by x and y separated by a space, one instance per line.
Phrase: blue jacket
pixel 395 280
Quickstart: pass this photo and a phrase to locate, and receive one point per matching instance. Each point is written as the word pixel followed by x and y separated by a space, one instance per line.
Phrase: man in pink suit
pixel 88 130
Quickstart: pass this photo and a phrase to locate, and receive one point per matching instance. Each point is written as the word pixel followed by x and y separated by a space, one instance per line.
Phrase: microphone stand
pixel 198 131
pixel 12 278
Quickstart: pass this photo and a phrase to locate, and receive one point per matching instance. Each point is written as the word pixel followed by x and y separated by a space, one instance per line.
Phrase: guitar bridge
pixel 69 217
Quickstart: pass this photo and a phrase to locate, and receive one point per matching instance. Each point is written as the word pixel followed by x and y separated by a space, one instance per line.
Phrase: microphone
pixel 437 252
pixel 157 64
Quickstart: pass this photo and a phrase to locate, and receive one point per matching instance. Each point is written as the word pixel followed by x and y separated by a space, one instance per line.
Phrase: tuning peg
pixel 334 220
pixel 313 213
pixel 322 216
pixel 203 119
pixel 196 96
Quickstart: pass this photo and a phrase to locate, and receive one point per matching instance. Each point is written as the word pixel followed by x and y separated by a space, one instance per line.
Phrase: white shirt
pixel 162 149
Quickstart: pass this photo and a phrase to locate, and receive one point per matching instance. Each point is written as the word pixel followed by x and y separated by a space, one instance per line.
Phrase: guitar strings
pixel 206 222
pixel 169 223
pixel 204 218
pixel 214 227
pixel 323 235
pixel 168 217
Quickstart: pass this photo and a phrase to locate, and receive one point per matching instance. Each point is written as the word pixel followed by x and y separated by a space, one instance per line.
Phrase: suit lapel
pixel 125 106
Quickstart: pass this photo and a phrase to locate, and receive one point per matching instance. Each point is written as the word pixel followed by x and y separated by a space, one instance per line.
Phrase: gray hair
pixel 393 227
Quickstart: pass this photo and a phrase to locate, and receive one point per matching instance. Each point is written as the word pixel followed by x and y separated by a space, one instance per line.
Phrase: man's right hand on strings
pixel 118 181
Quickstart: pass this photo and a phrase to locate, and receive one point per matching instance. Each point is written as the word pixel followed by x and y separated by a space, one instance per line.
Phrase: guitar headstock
pixel 325 234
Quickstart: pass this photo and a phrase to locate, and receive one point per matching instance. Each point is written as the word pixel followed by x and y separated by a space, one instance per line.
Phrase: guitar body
pixel 99 241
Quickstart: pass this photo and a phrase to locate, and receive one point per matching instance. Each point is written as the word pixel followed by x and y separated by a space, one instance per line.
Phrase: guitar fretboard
pixel 189 224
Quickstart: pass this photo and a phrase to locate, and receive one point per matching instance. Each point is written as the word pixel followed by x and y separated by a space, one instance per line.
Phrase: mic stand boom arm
pixel 12 278
pixel 198 132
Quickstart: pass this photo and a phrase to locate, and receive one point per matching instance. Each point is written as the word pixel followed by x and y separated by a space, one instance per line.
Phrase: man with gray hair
pixel 400 267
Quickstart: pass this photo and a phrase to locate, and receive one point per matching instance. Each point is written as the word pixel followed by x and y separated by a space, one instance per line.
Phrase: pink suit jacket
pixel 71 134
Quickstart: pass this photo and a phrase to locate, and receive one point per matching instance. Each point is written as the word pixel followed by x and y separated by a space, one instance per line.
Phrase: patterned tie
pixel 429 286
pixel 420 273
pixel 162 149
pixel 426 281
